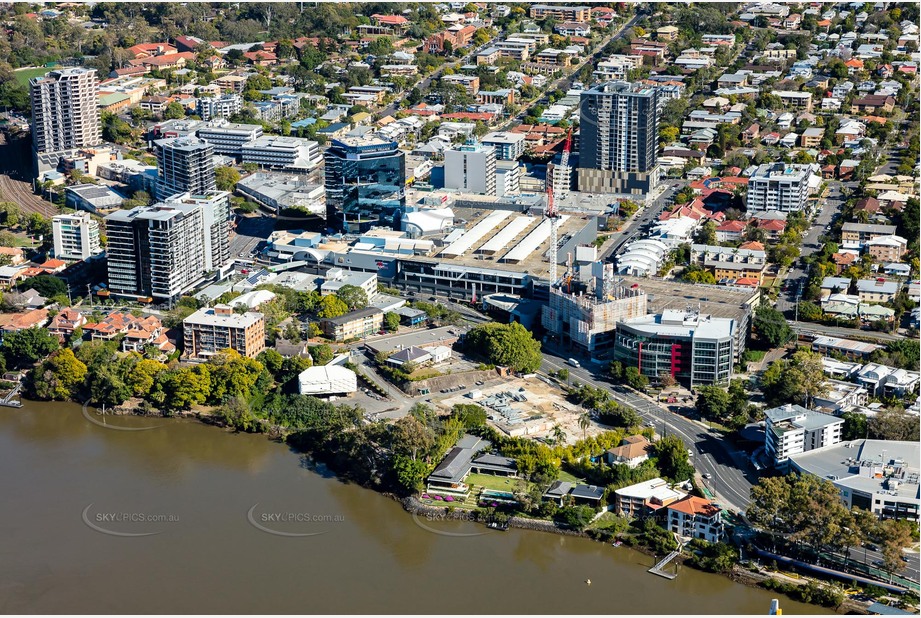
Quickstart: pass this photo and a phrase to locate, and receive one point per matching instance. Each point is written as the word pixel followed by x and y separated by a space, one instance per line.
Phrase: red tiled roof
pixel 731 226
pixel 843 259
pixel 469 116
pixel 692 505
pixel 754 245
pixel 392 20
pixel 23 320
pixel 772 225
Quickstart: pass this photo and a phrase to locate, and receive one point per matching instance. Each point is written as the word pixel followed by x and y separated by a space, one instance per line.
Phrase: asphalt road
pixel 248 233
pixel 632 231
pixel 797 275
pixel 732 478
pixel 874 559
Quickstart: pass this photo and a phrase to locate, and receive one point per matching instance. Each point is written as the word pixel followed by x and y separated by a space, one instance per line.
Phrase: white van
pixel 573 362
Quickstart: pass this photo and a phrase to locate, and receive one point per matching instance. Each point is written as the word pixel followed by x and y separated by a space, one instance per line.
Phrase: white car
pixel 707 475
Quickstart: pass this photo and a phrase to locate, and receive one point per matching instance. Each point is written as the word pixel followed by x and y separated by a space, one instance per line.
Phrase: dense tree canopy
pixel 507 345
pixel 24 347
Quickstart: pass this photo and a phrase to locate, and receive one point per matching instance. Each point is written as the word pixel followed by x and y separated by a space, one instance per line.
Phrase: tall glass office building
pixel 365 184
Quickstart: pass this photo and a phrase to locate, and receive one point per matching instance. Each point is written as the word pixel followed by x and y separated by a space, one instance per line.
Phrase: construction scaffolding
pixel 588 319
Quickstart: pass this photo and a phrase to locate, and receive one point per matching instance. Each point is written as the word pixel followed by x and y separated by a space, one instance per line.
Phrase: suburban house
pixel 468 455
pixel 139 332
pixel 877 290
pixel 873 103
pixel 633 451
pixel 65 322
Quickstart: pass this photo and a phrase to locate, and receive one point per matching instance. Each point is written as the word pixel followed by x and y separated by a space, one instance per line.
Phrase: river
pixel 211 524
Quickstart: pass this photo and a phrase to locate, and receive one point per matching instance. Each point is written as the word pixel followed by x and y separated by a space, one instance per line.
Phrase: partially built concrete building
pixel 586 319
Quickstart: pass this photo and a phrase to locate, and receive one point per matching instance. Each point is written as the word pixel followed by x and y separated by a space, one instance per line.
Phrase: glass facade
pixel 365 184
pixel 691 360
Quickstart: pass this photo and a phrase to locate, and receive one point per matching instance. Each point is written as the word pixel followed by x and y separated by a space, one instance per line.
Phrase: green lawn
pixel 489 481
pixel 24 75
pixel 753 356
pixel 566 476
pixel 609 521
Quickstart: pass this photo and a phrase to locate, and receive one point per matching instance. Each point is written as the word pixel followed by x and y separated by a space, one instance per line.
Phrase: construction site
pixel 584 314
pixel 527 407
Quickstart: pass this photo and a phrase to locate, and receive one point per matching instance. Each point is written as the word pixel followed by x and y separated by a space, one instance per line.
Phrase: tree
pixel 508 345
pixel 321 354
pixel 174 111
pixel 470 415
pixel 772 326
pixel 585 422
pixel 706 234
pixel 142 378
pixel 24 347
pixel 232 375
pixel 271 360
pixel 634 379
pixel 412 438
pixel 409 472
pixel 58 377
pixel 712 402
pixel 894 425
pixel 558 435
pixel 331 306
pixel 353 296
pixel 855 426
pixel 46 285
pixel 391 321
pixel 799 379
pixel 107 384
pixel 672 459
pixel 896 535
pixel 226 178
pixel 180 389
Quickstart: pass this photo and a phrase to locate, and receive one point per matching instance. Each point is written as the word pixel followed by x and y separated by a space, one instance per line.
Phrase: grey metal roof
pixel 496 463
pixel 588 492
pixel 354 315
pixel 454 467
pixel 558 489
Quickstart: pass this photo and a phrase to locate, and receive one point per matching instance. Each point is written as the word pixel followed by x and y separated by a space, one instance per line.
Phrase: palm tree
pixel 559 436
pixel 584 422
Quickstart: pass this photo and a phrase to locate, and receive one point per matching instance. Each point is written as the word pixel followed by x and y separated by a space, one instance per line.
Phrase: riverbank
pixel 414 506
pixel 739 574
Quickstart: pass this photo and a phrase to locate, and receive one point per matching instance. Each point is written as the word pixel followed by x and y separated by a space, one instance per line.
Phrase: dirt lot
pixel 543 401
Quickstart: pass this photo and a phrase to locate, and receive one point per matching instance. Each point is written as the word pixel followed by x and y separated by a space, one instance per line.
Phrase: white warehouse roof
pixel 327 380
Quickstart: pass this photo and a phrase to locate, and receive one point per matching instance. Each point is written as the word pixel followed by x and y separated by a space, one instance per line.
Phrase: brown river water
pixel 186 518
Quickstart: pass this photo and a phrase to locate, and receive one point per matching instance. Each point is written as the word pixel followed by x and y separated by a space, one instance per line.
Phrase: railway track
pixel 15 178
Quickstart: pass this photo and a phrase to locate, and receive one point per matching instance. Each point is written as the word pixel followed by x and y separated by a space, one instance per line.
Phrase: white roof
pixel 429 219
pixel 253 299
pixel 327 380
